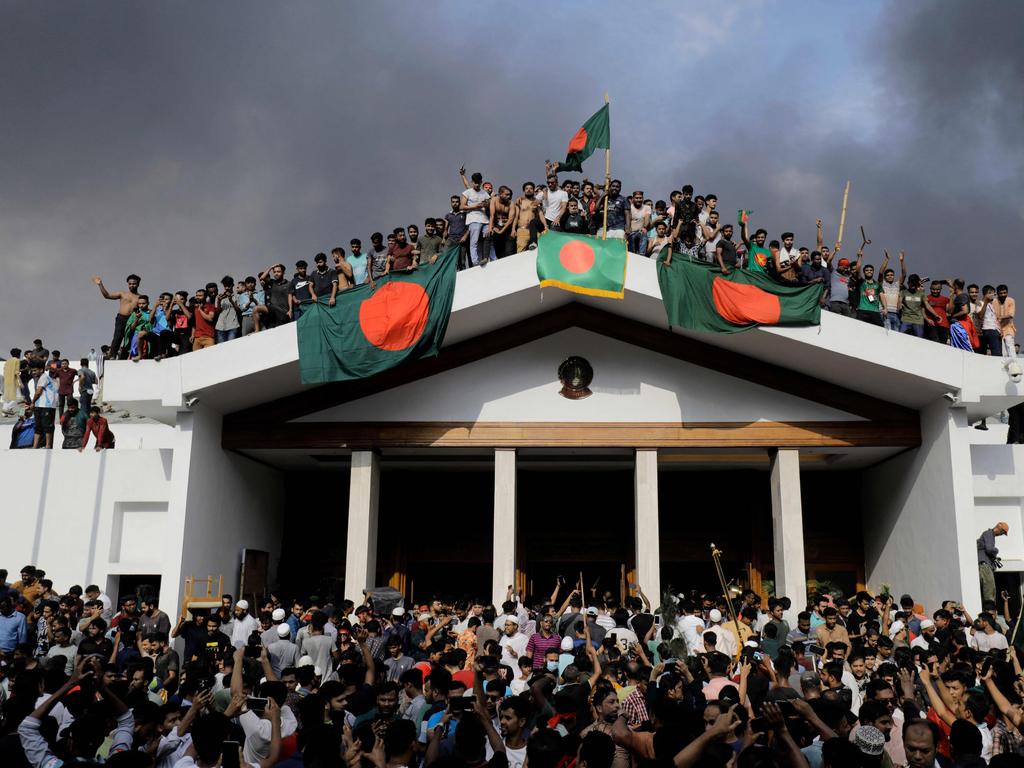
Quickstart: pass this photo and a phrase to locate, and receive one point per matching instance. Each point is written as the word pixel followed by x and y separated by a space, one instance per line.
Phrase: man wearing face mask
pixel 541 642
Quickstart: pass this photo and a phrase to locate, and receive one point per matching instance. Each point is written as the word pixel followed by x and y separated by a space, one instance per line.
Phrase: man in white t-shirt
pixel 513 642
pixel 691 627
pixel 712 234
pixel 788 255
pixel 638 221
pixel 554 200
pixel 989 638
pixel 475 204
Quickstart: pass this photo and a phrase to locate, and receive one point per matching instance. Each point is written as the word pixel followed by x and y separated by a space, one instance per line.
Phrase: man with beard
pixel 127 301
pixel 527 218
pixel 500 222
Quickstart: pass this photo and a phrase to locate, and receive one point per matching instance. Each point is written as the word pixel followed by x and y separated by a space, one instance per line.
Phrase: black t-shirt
pixel 855 621
pixel 214 645
pixel 276 292
pixel 641 624
pixel 574 224
pixel 960 301
pixel 299 287
pixel 728 248
pixel 322 281
pixel 193 635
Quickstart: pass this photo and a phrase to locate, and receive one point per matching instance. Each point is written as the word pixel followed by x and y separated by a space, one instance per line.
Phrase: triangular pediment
pixel 630 384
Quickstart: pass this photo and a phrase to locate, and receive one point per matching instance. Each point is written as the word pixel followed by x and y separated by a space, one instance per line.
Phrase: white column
pixel 648 546
pixel 503 565
pixel 788 530
pixel 361 547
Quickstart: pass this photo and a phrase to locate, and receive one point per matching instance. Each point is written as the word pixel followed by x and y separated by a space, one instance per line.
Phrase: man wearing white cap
pixel 513 642
pixel 724 641
pixel 927 636
pixel 282 652
pixel 276 619
pixel 242 624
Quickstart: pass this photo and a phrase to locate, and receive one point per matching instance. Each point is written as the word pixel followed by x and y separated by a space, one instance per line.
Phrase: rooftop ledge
pixel 893 367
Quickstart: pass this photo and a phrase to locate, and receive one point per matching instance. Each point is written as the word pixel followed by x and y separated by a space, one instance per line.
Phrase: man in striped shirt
pixel 542 642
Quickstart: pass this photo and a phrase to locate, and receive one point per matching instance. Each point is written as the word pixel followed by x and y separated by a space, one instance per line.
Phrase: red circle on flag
pixel 576 256
pixel 578 142
pixel 394 317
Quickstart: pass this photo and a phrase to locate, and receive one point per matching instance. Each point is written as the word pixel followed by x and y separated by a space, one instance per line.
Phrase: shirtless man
pixel 500 222
pixel 128 301
pixel 527 217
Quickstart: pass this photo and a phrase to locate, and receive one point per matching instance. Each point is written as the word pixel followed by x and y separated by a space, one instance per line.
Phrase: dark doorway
pixel 572 521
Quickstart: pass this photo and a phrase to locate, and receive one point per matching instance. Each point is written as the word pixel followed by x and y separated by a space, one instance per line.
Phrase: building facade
pixel 840 455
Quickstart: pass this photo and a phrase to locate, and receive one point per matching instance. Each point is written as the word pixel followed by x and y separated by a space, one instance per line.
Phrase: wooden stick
pixel 607 180
pixel 842 215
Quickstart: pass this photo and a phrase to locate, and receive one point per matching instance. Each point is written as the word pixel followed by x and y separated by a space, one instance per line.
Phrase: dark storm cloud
pixel 185 141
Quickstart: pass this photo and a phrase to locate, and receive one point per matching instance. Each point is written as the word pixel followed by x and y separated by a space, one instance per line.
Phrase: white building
pixel 841 453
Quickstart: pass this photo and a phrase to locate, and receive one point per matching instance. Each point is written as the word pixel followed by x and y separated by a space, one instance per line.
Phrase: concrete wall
pixel 81 517
pixel 186 508
pixel 223 503
pixel 919 522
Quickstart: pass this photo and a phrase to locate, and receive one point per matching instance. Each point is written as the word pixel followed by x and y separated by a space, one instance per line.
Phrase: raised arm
pixel 236 672
pixel 935 698
pixel 903 269
pixel 643 598
pixel 820 240
pixel 1002 703
pixel 103 291
pixel 744 234
pixel 275 735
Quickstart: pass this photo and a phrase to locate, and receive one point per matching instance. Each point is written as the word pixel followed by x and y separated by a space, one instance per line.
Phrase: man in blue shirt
pixel 13 629
pixel 45 404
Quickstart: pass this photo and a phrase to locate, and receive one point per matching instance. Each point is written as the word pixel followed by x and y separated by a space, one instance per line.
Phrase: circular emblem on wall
pixel 575 374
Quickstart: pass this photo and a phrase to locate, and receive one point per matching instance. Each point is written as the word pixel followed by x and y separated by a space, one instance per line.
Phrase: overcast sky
pixel 189 140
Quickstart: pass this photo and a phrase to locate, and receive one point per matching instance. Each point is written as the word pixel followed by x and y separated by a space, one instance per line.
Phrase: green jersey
pixel 758 258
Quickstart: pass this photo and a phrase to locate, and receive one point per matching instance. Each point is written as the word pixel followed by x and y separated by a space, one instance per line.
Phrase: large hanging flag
pixel 595 134
pixel 700 297
pixel 404 317
pixel 582 264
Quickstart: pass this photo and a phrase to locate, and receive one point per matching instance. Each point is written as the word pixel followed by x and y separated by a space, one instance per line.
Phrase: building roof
pixel 898 369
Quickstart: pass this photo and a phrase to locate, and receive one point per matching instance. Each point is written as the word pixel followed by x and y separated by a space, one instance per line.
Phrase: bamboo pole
pixel 842 215
pixel 607 180
pixel 716 554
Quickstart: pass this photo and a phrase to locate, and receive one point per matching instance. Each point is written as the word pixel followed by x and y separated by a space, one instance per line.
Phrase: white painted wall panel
pixel 630 384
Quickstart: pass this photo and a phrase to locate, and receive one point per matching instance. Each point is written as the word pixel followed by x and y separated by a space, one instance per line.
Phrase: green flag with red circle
pixel 404 316
pixel 582 264
pixel 594 134
pixel 702 298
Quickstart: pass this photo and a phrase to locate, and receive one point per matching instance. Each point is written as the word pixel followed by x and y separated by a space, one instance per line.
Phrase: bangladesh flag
pixel 699 297
pixel 582 264
pixel 595 134
pixel 404 317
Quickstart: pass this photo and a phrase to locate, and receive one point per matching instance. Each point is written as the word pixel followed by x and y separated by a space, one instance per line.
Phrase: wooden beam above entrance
pixel 765 434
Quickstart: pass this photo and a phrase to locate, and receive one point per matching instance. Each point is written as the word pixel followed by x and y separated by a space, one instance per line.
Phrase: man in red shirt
pixel 400 252
pixel 202 336
pixel 937 329
pixel 97 425
pixel 66 376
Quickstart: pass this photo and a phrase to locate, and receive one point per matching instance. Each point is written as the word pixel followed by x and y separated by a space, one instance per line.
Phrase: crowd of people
pixel 488 224
pixel 47 393
pixel 574 679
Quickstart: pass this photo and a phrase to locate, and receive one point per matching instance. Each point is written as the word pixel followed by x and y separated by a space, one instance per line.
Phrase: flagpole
pixel 607 179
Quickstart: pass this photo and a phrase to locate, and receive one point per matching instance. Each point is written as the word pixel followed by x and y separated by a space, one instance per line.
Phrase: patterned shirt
pixel 634 707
